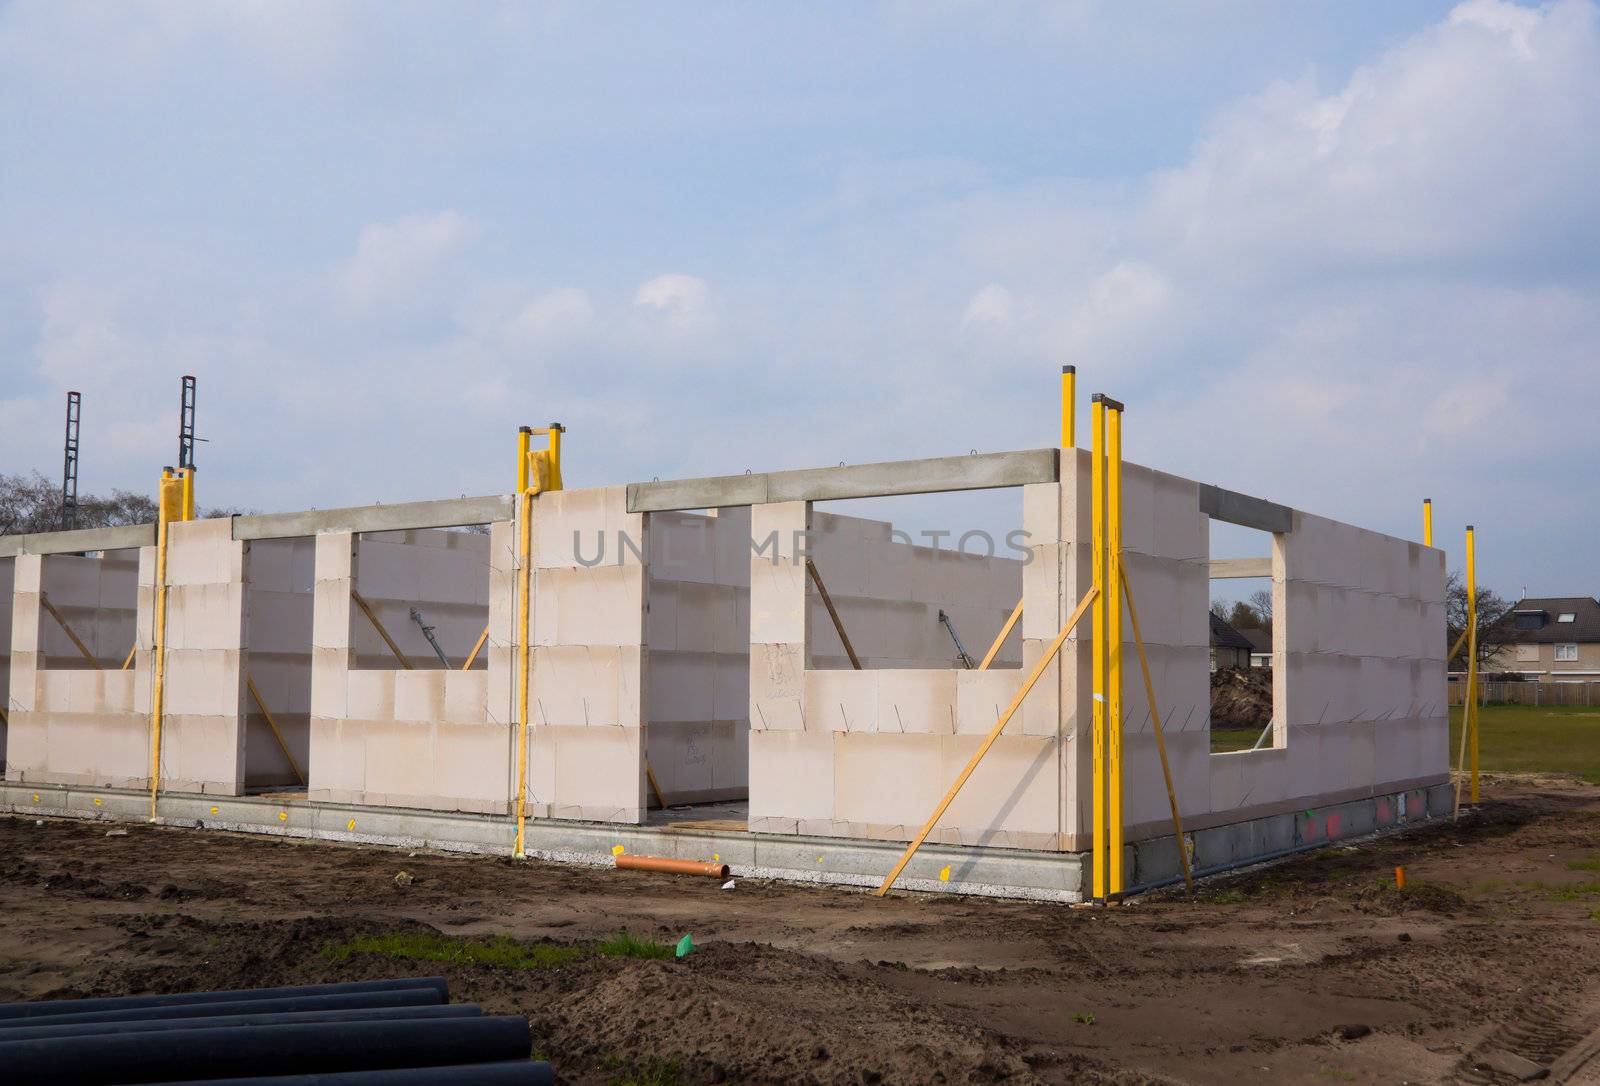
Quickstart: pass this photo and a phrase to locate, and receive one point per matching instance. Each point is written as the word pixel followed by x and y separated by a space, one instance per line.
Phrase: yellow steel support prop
pixel 1113 582
pixel 524 556
pixel 989 740
pixel 838 625
pixel 477 648
pixel 1097 443
pixel 537 471
pixel 1469 703
pixel 1161 743
pixel 1472 652
pixel 283 745
pixel 127 661
pixel 62 622
pixel 1005 632
pixel 187 475
pixel 655 786
pixel 169 507
pixel 372 617
pixel 1427 522
pixel 1069 407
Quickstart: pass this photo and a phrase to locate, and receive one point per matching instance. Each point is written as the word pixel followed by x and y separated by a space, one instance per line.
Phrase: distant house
pixel 1552 639
pixel 1229 648
pixel 1260 645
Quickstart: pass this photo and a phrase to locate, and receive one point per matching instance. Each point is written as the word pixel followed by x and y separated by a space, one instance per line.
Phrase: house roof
pixel 1536 620
pixel 1224 636
pixel 1260 640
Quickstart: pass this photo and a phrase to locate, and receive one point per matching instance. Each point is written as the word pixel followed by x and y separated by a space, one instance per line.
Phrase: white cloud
pixel 683 300
pixel 394 259
pixel 992 305
pixel 560 312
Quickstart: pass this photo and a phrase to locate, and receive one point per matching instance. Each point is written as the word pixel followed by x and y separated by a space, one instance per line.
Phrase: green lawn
pixel 1511 739
pixel 1526 739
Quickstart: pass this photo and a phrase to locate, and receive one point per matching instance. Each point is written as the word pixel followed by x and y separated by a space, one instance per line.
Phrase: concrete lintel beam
pixel 448 513
pixel 79 541
pixel 1242 509
pixel 979 471
pixel 1231 568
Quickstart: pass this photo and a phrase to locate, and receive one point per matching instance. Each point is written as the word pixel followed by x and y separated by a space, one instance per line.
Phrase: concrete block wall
pixel 868 754
pixel 96 594
pixel 443 573
pixel 697 658
pixel 1358 668
pixel 588 677
pixel 73 725
pixel 7 574
pixel 202 723
pixel 889 593
pixel 280 575
pixel 421 738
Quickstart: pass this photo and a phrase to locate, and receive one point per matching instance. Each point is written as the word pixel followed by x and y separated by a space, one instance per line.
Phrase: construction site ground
pixel 1315 969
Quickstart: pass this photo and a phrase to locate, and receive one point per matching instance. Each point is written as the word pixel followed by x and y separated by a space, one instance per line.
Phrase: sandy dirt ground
pixel 1311 970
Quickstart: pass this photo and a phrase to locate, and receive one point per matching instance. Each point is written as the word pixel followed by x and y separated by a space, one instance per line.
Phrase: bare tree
pixel 32 503
pixel 1261 604
pixel 1222 608
pixel 1494 625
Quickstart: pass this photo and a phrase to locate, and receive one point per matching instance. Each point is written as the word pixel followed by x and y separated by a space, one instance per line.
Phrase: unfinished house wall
pixel 7 573
pixel 889 594
pixel 71 722
pixel 280 575
pixel 1357 665
pixel 697 660
pixel 869 753
pixel 427 738
pixel 202 747
pixel 442 573
pixel 587 667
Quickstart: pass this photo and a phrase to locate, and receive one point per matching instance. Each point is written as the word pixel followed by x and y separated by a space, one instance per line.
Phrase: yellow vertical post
pixel 1097 475
pixel 1427 522
pixel 1114 819
pixel 556 430
pixel 524 552
pixel 524 443
pixel 169 507
pixel 1469 718
pixel 188 493
pixel 1069 407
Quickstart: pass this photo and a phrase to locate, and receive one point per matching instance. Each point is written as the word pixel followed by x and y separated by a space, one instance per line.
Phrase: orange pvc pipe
pixel 671 867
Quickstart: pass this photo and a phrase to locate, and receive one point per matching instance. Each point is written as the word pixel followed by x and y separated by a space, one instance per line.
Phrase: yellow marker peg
pixel 616 850
pixel 944 873
pixel 716 857
pixel 36 797
pixel 214 810
pixel 97 801
pixel 283 816
pixel 350 825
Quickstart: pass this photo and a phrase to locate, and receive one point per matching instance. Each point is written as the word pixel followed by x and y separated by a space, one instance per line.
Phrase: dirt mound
pixel 1241 697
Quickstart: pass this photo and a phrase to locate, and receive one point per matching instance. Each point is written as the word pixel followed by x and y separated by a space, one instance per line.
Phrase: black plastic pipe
pixel 394 997
pixel 321 1047
pixel 512 1073
pixel 112 1003
pixel 144 1025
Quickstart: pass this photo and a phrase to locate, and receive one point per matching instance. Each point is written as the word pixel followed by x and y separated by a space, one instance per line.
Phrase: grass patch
pixel 1590 864
pixel 497 950
pixel 624 945
pixel 1226 739
pixel 1227 897
pixel 1573 891
pixel 1534 739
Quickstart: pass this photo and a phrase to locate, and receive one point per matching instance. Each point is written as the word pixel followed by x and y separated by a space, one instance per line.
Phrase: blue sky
pixel 1342 255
